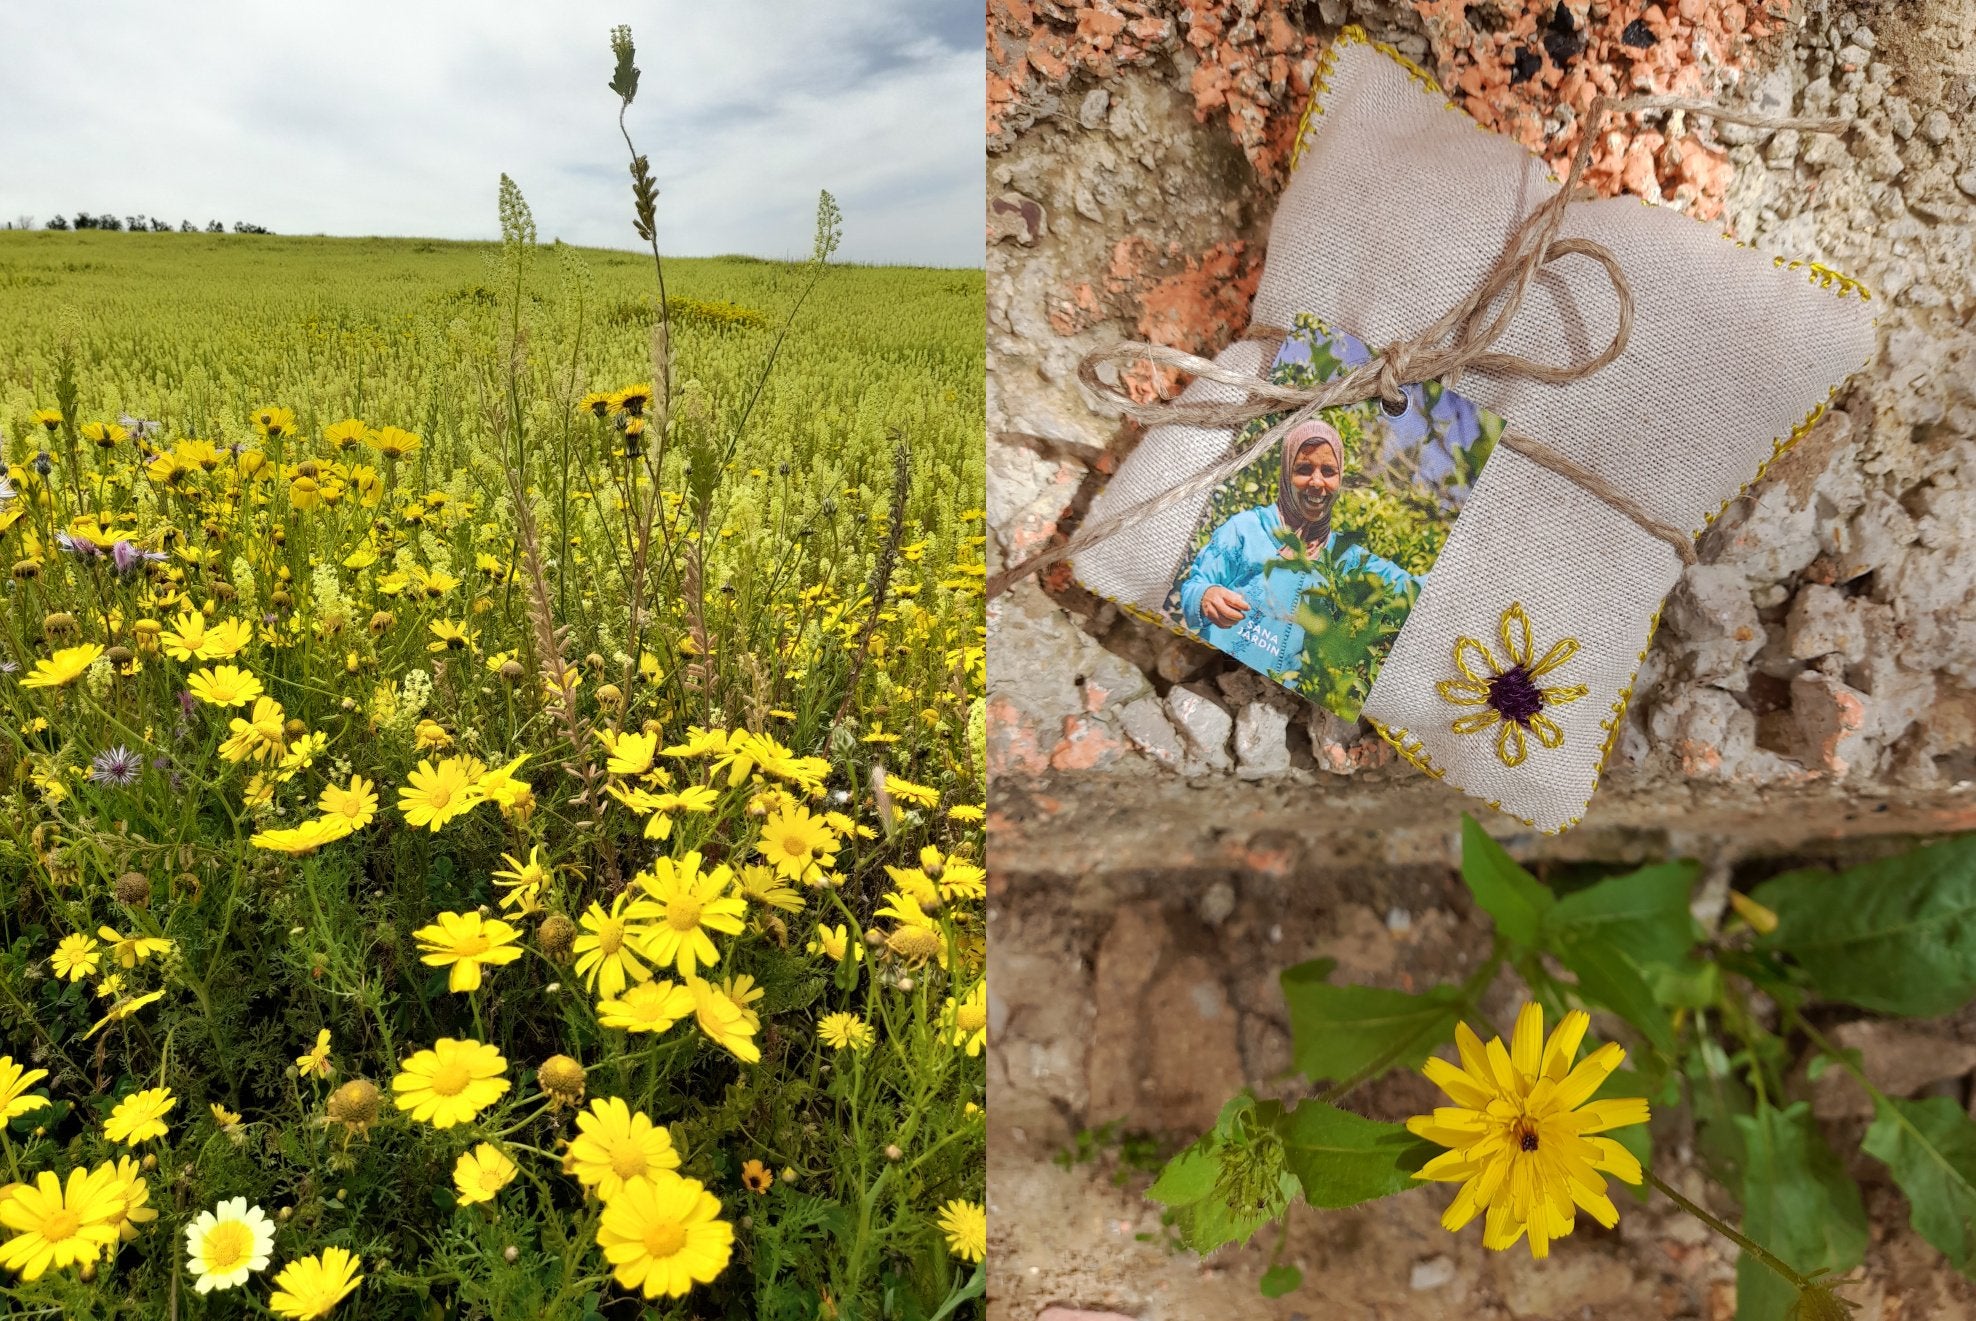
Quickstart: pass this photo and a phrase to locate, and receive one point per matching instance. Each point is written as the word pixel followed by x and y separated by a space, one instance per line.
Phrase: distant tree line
pixel 136 224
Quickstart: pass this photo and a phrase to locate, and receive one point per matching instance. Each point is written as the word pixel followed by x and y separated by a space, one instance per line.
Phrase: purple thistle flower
pixel 187 702
pixel 119 766
pixel 80 547
pixel 127 556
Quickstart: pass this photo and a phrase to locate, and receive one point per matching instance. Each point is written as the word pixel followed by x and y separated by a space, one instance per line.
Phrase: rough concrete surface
pixel 1812 689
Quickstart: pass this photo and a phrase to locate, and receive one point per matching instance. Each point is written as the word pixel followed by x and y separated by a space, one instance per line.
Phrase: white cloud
pixel 398 117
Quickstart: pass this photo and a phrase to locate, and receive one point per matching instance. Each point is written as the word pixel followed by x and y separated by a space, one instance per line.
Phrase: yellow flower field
pixel 492 780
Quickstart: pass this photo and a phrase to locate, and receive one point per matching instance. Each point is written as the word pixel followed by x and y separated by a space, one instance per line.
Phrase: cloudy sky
pixel 399 116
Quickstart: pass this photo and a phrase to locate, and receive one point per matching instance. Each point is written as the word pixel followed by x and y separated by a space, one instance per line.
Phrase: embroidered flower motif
pixel 1512 702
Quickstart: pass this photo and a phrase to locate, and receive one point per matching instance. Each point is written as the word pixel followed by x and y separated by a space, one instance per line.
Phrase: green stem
pixel 1777 1264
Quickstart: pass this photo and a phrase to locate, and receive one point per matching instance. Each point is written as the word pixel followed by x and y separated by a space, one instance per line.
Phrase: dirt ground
pixel 1144 1002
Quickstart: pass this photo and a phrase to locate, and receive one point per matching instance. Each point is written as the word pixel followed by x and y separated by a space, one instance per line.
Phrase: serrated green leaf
pixel 1507 893
pixel 1189 1176
pixel 1607 975
pixel 1335 1031
pixel 1644 912
pixel 1280 1280
pixel 1798 1203
pixel 1342 1159
pixel 1897 936
pixel 1930 1147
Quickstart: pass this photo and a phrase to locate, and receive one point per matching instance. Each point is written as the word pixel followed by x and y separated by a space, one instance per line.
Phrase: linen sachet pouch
pixel 1428 569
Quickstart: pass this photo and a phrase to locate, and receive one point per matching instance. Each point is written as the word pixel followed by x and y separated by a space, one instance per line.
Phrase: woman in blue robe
pixel 1227 599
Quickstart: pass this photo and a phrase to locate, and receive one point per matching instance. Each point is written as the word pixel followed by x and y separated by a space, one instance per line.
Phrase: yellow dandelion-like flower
pixel 615 1144
pixel 451 1083
pixel 966 1226
pixel 1523 1133
pixel 1512 701
pixel 836 942
pixel 663 1235
pixel 481 1173
pixel 467 942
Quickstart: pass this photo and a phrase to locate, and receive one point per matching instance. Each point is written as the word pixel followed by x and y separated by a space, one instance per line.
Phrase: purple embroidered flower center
pixel 1513 696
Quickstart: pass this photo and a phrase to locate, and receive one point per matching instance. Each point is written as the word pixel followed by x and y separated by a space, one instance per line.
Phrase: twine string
pixel 1460 340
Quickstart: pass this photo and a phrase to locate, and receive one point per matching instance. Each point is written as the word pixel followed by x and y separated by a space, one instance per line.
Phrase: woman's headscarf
pixel 1309 512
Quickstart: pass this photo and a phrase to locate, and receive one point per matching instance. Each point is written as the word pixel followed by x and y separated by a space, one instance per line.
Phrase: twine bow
pixel 1460 340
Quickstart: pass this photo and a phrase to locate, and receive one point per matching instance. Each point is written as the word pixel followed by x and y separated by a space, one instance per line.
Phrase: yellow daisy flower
pixel 727 1024
pixel 57 1225
pixel 64 667
pixel 310 1287
pixel 965 1019
pixel 614 1144
pixel 75 957
pixel 481 1173
pixel 837 943
pixel 140 1116
pixel 647 1007
pixel 225 1245
pixel 131 950
pixel 314 1063
pixel 14 1082
pixel 435 795
pixel 663 1235
pixel 356 805
pixel 467 942
pixel 682 905
pixel 224 685
pixel 451 1083
pixel 798 845
pixel 606 951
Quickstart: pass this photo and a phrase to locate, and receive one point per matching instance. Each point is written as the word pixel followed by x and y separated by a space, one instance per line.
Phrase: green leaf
pixel 1798 1203
pixel 1509 894
pixel 1335 1031
pixel 1606 974
pixel 1897 936
pixel 1279 1280
pixel 1644 912
pixel 1930 1146
pixel 1343 1159
pixel 1194 1188
pixel 1719 1098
